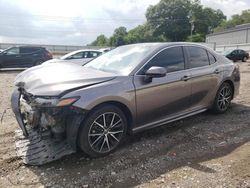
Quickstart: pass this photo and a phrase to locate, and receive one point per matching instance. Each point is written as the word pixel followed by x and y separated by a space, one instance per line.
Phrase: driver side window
pixel 171 59
pixel 13 51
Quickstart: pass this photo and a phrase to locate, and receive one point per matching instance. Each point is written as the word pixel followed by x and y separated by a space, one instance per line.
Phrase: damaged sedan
pixel 63 107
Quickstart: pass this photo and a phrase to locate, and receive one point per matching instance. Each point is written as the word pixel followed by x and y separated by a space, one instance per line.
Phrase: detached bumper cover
pixel 38 150
pixel 15 103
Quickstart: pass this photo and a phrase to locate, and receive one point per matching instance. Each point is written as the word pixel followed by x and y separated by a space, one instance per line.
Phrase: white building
pixel 237 37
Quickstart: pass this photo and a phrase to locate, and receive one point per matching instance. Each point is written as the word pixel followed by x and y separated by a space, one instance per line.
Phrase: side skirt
pixel 167 120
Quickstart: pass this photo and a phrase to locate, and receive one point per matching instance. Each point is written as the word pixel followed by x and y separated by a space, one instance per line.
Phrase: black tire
pixel 95 139
pixel 38 63
pixel 223 98
pixel 244 59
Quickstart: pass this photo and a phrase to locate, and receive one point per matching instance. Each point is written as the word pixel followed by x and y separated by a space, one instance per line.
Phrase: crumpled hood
pixel 53 79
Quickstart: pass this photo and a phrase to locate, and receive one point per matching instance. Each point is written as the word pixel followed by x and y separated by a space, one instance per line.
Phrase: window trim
pixel 185 58
pixel 209 58
pixel 168 47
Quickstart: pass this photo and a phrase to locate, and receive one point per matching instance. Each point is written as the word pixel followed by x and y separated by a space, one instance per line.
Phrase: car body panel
pixel 54 79
pixel 162 97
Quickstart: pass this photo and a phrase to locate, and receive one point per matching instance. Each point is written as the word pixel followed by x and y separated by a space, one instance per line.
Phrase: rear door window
pixel 93 54
pixel 28 50
pixel 197 57
pixel 211 57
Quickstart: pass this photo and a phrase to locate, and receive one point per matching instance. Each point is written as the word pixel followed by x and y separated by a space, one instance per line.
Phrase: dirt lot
pixel 202 151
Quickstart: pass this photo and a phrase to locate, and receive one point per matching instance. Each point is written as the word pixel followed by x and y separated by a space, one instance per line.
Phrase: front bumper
pixel 36 147
pixel 15 104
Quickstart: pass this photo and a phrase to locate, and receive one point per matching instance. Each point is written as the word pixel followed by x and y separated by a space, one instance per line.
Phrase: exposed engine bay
pixel 43 136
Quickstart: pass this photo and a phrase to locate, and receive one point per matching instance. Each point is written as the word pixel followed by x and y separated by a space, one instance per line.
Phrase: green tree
pixel 118 37
pixel 172 19
pixel 101 41
pixel 143 33
pixel 236 19
pixel 196 38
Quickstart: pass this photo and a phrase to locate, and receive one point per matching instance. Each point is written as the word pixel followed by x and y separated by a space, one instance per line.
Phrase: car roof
pixel 86 50
pixel 168 44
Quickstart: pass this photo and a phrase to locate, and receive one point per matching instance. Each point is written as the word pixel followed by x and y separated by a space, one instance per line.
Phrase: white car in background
pixel 80 57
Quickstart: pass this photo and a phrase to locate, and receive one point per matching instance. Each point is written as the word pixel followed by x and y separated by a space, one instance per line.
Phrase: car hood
pixel 76 61
pixel 54 79
pixel 52 61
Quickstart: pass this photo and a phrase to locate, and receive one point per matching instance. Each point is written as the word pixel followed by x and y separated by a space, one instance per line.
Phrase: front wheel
pixel 223 98
pixel 102 131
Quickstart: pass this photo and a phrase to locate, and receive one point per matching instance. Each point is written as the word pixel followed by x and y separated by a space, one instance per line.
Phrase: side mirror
pixel 155 72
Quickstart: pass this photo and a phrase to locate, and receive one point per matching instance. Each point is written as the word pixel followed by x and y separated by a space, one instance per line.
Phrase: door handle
pixel 185 78
pixel 216 71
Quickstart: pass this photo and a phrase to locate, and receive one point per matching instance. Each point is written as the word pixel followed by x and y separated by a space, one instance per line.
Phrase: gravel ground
pixel 205 150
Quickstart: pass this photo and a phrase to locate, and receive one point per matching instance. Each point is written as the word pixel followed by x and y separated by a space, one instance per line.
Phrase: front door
pixel 165 96
pixel 11 58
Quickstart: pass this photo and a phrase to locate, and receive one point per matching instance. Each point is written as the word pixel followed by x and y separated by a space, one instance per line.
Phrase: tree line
pixel 174 20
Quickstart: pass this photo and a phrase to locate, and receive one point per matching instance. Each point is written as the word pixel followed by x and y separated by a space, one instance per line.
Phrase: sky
pixel 79 22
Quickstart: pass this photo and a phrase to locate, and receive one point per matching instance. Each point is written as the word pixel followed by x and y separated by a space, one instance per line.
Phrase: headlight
pixel 67 101
pixel 53 102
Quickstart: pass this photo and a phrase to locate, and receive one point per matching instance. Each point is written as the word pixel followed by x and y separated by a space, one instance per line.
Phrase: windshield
pixel 121 60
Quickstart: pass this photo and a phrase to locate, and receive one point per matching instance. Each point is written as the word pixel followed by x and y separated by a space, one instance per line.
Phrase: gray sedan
pixel 129 89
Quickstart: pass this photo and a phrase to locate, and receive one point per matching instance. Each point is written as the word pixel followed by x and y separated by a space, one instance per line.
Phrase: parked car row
pixel 28 56
pixel 79 57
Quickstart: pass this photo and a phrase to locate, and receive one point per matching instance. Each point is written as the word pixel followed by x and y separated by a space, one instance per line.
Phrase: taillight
pixel 49 55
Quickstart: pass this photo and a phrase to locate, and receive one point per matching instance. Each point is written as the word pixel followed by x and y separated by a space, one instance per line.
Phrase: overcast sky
pixel 78 22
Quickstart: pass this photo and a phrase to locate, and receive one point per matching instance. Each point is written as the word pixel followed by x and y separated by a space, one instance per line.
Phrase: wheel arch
pixel 125 109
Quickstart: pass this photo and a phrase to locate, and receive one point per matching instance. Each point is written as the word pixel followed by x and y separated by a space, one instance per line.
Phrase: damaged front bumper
pixel 46 132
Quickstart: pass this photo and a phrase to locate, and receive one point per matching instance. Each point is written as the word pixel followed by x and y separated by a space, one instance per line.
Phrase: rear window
pixel 25 50
pixel 197 57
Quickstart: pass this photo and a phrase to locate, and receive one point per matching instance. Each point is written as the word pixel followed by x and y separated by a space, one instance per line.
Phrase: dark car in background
pixel 23 56
pixel 236 55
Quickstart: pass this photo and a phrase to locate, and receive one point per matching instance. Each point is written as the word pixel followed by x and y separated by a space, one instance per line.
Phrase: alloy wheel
pixel 106 132
pixel 224 98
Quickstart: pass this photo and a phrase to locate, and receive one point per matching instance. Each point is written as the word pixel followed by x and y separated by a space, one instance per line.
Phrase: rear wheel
pixel 244 59
pixel 102 131
pixel 38 62
pixel 223 98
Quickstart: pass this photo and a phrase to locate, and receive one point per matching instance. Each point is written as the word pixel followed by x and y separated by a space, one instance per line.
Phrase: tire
pixel 244 59
pixel 38 63
pixel 98 139
pixel 223 98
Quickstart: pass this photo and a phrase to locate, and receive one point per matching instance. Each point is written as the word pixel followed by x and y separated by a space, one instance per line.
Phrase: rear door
pixel 165 96
pixel 205 76
pixel 30 56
